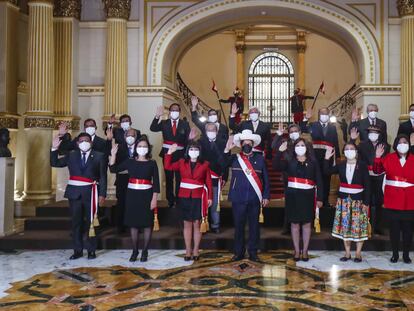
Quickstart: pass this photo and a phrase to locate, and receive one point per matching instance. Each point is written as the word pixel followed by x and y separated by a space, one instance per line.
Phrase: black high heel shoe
pixel 406 258
pixel 144 256
pixel 134 256
pixel 345 259
pixel 187 258
pixel 196 258
pixel 394 258
pixel 296 258
pixel 305 258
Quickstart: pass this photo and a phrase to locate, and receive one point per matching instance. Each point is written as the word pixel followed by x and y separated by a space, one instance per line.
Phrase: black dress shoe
pixel 345 259
pixel 406 258
pixel 394 259
pixel 305 259
pixel 134 256
pixel 76 255
pixel 357 259
pixel 196 258
pixel 144 256
pixel 91 255
pixel 187 258
pixel 237 258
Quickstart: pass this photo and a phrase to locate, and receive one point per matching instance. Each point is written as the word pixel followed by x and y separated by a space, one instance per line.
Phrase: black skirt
pixel 300 205
pixel 190 208
pixel 138 213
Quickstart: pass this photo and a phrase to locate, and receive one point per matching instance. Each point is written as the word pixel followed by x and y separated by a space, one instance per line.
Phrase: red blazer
pixel 397 198
pixel 201 174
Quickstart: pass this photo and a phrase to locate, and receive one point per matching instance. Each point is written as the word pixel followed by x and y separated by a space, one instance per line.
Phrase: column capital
pixel 405 7
pixel 67 8
pixel 41 1
pixel 240 48
pixel 117 8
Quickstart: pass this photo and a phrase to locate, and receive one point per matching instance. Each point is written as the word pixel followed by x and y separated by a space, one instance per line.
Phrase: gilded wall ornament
pixel 9 122
pixel 117 8
pixel 39 122
pixel 67 8
pixel 72 124
pixel 405 7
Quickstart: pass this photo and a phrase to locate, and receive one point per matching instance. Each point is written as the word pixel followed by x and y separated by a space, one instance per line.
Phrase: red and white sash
pixel 167 144
pixel 139 184
pixel 251 175
pixel 371 171
pixel 214 175
pixel 350 188
pixel 323 145
pixel 301 183
pixel 191 184
pixel 79 181
pixel 398 182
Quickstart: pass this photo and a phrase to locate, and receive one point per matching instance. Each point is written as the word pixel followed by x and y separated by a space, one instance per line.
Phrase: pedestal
pixel 6 196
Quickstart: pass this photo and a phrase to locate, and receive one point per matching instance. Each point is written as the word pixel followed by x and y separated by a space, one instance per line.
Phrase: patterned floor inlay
pixel 214 283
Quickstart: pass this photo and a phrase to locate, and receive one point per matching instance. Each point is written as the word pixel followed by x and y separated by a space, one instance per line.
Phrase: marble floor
pixel 47 280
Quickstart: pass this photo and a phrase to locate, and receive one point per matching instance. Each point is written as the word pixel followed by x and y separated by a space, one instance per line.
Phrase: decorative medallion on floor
pixel 214 283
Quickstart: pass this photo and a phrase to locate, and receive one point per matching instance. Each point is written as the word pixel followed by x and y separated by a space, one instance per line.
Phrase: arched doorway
pixel 271 81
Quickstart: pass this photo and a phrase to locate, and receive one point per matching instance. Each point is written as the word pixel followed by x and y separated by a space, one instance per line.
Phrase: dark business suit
pixel 180 137
pixel 98 144
pixel 223 131
pixel 80 196
pixel 328 134
pixel 263 129
pixel 362 126
pixel 406 128
pixel 245 203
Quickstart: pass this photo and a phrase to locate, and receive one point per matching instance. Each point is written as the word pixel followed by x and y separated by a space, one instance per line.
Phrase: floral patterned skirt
pixel 351 220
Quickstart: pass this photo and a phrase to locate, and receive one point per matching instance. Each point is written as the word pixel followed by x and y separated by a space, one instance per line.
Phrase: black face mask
pixel 247 149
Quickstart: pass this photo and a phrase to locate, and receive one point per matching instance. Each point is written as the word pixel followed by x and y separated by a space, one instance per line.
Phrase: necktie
pixel 174 128
pixel 83 159
pixel 131 152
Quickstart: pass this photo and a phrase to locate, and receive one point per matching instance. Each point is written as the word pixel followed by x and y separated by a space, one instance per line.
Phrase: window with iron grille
pixel 271 84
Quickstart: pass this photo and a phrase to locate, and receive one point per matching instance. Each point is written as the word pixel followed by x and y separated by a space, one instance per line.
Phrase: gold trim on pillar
pixel 117 8
pixel 405 7
pixel 39 122
pixel 73 122
pixel 9 121
pixel 67 8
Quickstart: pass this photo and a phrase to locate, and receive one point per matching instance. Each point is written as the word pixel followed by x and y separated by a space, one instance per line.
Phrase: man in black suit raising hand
pixel 86 188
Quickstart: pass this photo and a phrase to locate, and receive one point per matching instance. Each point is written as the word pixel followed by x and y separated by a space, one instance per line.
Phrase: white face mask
pixel 212 118
pixel 402 148
pixel 300 150
pixel 125 125
pixel 412 115
pixel 372 114
pixel 90 130
pixel 85 146
pixel 174 115
pixel 324 118
pixel 130 140
pixel 211 135
pixel 254 116
pixel 350 154
pixel 373 137
pixel 294 135
pixel 142 151
pixel 193 154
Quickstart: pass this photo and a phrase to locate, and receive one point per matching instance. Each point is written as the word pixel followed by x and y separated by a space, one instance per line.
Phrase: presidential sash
pixel 251 175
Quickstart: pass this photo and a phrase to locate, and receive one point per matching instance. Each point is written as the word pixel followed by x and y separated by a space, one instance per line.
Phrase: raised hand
pixel 330 151
pixel 63 128
pixel 110 133
pixel 193 134
pixel 355 114
pixel 172 149
pixel 56 142
pixel 309 113
pixel 283 146
pixel 194 102
pixel 280 129
pixel 159 112
pixel 379 152
pixel 230 143
pixel 354 133
pixel 234 109
pixel 114 149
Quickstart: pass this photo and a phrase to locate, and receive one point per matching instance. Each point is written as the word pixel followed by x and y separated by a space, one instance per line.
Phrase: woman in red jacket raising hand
pixel 195 194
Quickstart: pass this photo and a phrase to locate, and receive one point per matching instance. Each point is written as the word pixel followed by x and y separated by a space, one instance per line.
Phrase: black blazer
pixel 181 137
pixel 214 154
pixel 223 131
pixel 98 144
pixel 316 131
pixel 360 177
pixel 406 128
pixel 96 169
pixel 263 129
pixel 362 126
pixel 366 151
pixel 288 165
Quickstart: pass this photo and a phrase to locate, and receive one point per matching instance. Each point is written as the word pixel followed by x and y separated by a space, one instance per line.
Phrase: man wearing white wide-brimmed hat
pixel 249 191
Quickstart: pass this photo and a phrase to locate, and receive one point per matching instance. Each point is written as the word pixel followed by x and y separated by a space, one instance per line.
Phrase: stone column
pixel 9 15
pixel 66 49
pixel 240 48
pixel 116 74
pixel 406 11
pixel 300 66
pixel 39 122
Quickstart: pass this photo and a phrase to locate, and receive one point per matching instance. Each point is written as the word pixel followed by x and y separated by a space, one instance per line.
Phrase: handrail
pixel 343 105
